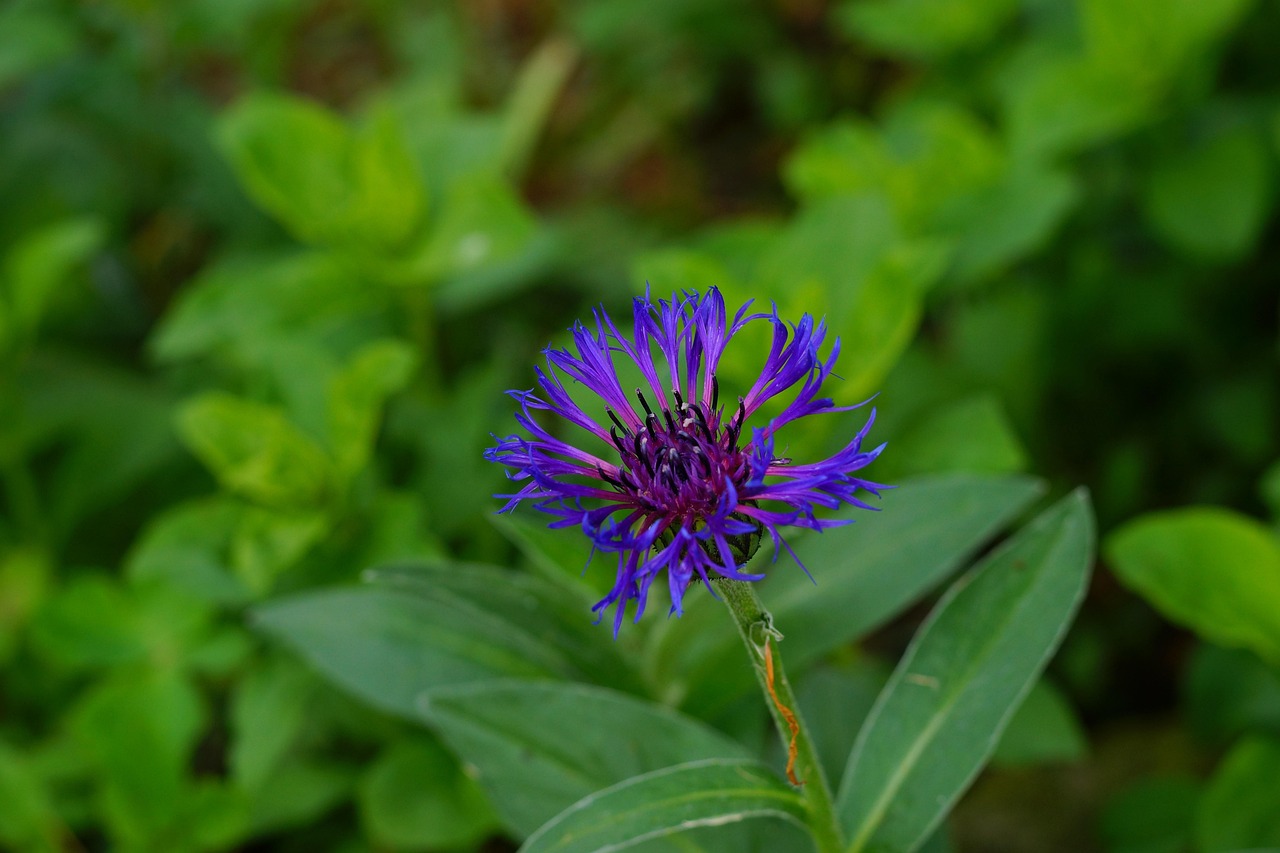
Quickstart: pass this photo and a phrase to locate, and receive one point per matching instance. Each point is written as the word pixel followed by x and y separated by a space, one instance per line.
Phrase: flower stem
pixel 755 626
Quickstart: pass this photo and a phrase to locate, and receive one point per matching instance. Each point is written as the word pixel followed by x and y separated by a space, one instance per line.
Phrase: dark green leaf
pixel 27 817
pixel 1043 729
pixel 1211 200
pixel 973 435
pixel 963 677
pixel 428 627
pixel 557 615
pixel 703 793
pixel 356 397
pixel 925 28
pixel 1240 809
pixel 326 183
pixel 140 730
pixel 388 646
pixel 417 796
pixel 268 710
pixel 1154 816
pixel 1229 692
pixel 186 548
pixel 539 747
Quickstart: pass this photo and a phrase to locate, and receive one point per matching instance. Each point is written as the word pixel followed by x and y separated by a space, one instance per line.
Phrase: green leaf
pixel 1269 489
pixel 388 646
pixel 846 253
pixel 1229 692
pixel 925 155
pixel 298 794
pixel 962 678
pixel 836 698
pixel 244 304
pixel 999 225
pixel 1215 571
pixel 551 552
pixel 269 707
pixel 482 223
pixel 924 28
pixel 539 747
pixel 90 622
pixel 254 450
pixel 326 184
pixel 25 575
pixel 267 542
pixel 668 270
pixel 541 78
pixel 973 435
pixel 39 264
pixel 140 731
pixel 1154 816
pixel 32 38
pixel 425 628
pixel 827 251
pixel 700 793
pixel 1213 199
pixel 356 397
pixel 186 547
pixel 883 320
pixel 118 427
pixel 27 817
pixel 416 796
pixel 1150 39
pixel 863 575
pixel 1057 104
pixel 94 621
pixel 1043 729
pixel 1241 806
pixel 557 614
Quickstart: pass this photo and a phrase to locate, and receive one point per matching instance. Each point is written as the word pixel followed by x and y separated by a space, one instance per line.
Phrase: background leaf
pixel 1240 809
pixel 1213 570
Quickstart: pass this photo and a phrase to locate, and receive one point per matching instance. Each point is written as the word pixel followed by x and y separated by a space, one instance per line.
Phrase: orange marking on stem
pixel 792 723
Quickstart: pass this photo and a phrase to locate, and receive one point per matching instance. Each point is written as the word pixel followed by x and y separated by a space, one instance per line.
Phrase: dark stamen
pixel 617 440
pixel 607 478
pixel 613 417
pixel 642 456
pixel 650 424
pixel 671 424
pixel 644 402
pixel 715 393
pixel 702 423
pixel 675 392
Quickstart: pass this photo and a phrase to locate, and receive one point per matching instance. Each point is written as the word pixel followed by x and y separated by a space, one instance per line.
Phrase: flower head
pixel 681 482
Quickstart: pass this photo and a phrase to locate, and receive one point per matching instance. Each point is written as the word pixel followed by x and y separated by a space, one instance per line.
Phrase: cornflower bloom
pixel 686 489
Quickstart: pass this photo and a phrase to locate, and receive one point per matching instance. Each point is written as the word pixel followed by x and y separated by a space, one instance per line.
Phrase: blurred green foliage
pixel 266 269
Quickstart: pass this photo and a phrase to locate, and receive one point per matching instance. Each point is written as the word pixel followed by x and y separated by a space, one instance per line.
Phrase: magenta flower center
pixel 677 464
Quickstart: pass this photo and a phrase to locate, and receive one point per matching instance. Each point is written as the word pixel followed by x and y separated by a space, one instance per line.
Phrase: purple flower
pixel 675 480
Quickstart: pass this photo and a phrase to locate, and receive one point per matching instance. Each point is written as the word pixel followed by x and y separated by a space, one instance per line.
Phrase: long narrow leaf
pixel 538 747
pixel 967 671
pixel 701 793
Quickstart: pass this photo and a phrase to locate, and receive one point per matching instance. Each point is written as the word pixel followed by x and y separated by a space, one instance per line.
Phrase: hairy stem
pixel 760 637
